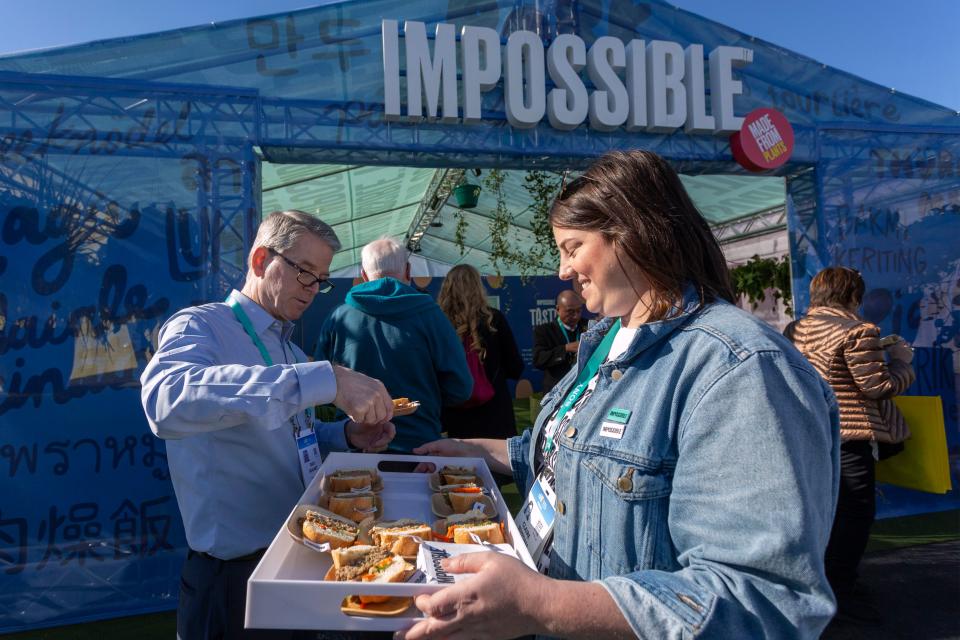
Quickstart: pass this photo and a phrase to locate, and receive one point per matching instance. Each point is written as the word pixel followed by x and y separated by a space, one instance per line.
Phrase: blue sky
pixel 912 46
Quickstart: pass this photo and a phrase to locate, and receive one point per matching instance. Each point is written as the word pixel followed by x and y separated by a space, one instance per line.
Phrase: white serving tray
pixel 287 590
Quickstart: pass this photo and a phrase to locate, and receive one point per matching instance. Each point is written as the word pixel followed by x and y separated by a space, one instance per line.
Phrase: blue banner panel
pixel 888 205
pixel 104 232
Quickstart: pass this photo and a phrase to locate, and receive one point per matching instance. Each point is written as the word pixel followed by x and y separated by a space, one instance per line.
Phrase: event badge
pixel 535 520
pixel 615 423
pixel 309 454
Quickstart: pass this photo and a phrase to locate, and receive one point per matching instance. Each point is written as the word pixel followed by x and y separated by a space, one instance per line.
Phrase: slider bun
pixel 452 474
pixel 462 502
pixel 489 532
pixel 343 557
pixel 396 572
pixel 395 536
pixel 335 531
pixel 347 479
pixel 355 506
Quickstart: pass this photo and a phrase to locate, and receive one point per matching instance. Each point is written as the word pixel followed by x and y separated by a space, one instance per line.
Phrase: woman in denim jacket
pixel 690 459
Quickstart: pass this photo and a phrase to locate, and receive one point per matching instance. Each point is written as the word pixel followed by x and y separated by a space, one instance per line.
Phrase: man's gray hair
pixel 384 257
pixel 281 229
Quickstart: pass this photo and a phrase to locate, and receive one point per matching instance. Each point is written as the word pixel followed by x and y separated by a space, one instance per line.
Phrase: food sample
pixel 395 535
pixel 368 563
pixel 325 529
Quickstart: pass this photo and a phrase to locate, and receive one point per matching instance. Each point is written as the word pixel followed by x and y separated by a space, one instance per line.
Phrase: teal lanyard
pixel 565 334
pixel 262 348
pixel 585 376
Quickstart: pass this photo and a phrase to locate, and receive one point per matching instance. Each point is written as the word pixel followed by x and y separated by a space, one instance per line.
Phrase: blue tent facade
pixel 129 188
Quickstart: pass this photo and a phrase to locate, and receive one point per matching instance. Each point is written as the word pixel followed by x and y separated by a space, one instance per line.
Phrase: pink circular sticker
pixel 764 142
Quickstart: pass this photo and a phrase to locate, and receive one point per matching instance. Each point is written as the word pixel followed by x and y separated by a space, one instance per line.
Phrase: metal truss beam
pixel 755 224
pixel 438 191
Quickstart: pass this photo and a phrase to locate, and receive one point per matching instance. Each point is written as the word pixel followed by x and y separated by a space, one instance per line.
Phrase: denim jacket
pixel 710 516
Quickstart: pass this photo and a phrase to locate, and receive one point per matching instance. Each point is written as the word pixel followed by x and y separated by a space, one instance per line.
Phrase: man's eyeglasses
pixel 304 277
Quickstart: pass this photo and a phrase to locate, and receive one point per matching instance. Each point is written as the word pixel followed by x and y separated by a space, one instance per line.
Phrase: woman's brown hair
pixel 838 287
pixel 636 201
pixel 464 302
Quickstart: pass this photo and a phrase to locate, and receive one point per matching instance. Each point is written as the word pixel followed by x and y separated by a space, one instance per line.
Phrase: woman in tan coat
pixel 865 372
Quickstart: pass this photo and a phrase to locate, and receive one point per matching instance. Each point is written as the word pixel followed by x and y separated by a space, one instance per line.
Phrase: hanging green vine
pixel 542 187
pixel 460 232
pixel 500 253
pixel 758 275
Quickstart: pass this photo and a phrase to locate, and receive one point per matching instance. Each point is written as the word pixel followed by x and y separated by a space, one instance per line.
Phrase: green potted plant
pixel 466 195
pixel 760 275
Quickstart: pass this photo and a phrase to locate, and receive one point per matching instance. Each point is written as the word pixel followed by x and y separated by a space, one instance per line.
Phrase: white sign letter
pixel 525 108
pixel 391 69
pixel 476 80
pixel 666 95
pixel 637 85
pixel 723 87
pixel 609 106
pixel 697 119
pixel 567 104
pixel 425 74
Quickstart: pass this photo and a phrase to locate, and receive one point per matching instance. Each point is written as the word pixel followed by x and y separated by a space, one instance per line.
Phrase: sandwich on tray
pixel 368 563
pixel 322 528
pixel 459 526
pixel 355 506
pixel 345 480
pixel 463 499
pixel 453 474
pixel 395 536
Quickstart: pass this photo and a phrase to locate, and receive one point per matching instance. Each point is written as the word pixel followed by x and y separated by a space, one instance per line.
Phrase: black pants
pixel 856 508
pixel 213 598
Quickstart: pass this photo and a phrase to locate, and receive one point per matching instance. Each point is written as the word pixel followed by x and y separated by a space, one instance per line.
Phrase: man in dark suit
pixel 555 343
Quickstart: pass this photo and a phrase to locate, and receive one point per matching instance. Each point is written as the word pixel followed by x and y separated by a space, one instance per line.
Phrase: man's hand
pixel 572 347
pixel 365 400
pixel 498 602
pixel 370 438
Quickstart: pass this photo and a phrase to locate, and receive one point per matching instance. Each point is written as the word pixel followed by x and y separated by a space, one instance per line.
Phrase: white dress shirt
pixel 227 419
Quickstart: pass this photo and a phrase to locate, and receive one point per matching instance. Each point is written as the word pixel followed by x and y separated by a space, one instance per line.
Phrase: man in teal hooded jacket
pixel 392 332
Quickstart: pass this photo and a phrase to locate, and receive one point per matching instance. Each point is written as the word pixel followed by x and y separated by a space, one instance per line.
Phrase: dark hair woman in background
pixel 681 479
pixel 485 329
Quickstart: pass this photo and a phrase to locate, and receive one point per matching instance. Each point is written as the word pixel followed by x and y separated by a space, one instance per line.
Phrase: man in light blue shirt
pixel 234 398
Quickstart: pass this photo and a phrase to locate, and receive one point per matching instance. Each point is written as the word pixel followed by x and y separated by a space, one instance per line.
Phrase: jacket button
pixel 616 374
pixel 570 432
pixel 625 483
pixel 561 508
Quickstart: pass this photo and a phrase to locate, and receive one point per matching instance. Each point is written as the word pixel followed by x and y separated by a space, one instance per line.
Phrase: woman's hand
pixel 370 438
pixel 498 602
pixel 449 447
pixel 900 351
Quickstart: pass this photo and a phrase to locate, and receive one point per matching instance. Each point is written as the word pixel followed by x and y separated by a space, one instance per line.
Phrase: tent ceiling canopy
pixel 364 203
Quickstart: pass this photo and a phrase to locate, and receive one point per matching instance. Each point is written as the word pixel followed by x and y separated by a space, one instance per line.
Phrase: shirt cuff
pixel 331 436
pixel 318 384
